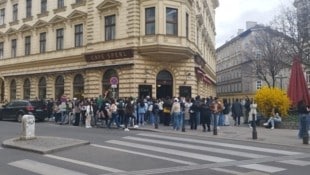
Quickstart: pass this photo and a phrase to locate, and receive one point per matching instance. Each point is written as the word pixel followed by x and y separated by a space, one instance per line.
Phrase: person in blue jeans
pixel 176 114
pixel 303 112
pixel 114 118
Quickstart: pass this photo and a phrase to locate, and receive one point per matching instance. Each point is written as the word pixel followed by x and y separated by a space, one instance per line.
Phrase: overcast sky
pixel 232 15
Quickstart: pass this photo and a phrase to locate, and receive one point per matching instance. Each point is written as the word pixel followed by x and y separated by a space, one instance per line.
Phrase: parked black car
pixel 15 110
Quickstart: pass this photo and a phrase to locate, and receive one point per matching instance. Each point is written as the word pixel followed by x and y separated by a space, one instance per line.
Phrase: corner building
pixel 84 48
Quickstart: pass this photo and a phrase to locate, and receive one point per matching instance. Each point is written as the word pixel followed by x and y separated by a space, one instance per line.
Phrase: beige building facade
pixel 123 48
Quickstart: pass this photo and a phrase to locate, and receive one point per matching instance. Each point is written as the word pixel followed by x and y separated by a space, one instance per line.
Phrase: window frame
pixel 13 48
pixel 149 23
pixel 60 4
pixel 173 22
pixel 109 27
pixel 15 12
pixel 42 42
pixel 27 45
pixel 1 49
pixel 43 6
pixel 78 35
pixel 60 39
pixel 28 8
pixel 2 16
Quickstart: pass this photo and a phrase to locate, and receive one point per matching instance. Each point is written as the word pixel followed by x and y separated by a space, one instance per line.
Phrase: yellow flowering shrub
pixel 269 98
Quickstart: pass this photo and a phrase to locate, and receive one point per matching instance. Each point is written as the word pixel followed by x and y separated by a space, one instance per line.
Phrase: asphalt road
pixel 115 152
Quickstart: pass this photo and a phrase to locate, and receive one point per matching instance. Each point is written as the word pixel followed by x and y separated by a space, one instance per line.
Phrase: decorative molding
pixel 42 14
pixel 199 18
pixel 58 10
pixel 28 19
pixel 58 19
pixel 14 22
pixel 25 28
pixel 2 26
pixel 40 24
pixel 76 14
pixel 108 4
pixel 3 2
pixel 11 31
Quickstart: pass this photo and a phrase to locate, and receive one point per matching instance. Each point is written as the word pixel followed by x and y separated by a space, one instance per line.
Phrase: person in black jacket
pixel 236 110
pixel 205 114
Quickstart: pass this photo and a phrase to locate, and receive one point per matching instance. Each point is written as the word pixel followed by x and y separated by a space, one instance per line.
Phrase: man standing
pixel 236 110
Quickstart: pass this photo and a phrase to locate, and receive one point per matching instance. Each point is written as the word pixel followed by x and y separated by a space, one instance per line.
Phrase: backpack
pixel 155 109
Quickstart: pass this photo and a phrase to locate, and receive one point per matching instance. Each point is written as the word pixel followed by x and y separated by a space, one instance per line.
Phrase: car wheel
pixel 19 117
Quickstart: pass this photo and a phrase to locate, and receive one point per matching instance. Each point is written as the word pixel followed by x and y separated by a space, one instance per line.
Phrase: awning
pixel 201 73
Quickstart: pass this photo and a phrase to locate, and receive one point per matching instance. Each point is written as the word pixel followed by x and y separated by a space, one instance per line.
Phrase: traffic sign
pixel 113 80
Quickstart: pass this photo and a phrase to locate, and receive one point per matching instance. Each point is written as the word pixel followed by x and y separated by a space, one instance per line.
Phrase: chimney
pixel 250 24
pixel 240 31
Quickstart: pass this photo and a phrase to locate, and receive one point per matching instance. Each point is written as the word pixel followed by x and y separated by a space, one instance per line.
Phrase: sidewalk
pixel 284 137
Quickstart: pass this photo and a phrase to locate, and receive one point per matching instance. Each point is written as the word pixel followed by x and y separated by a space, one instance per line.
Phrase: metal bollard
pixel 304 130
pixel 214 125
pixel 254 132
pixel 183 123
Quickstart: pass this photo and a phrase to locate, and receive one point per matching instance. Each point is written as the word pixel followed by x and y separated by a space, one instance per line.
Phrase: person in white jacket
pixel 252 114
pixel 89 113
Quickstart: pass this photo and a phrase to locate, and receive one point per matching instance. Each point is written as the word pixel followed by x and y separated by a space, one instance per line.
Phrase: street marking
pixel 147 155
pixel 296 162
pixel 84 163
pixel 201 148
pixel 252 148
pixel 264 168
pixel 226 171
pixel 171 151
pixel 42 168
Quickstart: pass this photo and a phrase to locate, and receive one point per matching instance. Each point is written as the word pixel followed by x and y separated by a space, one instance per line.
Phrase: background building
pixel 80 48
pixel 237 76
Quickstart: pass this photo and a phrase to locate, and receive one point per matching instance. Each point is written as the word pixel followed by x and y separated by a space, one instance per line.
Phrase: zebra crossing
pixel 187 153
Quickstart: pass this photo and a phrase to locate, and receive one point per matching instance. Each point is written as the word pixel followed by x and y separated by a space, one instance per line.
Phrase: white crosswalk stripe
pixel 201 148
pixel 264 168
pixel 171 151
pixel 42 168
pixel 296 162
pixel 229 145
pixel 146 155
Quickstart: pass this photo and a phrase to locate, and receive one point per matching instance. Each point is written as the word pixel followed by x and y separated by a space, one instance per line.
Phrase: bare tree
pixel 266 55
pixel 295 25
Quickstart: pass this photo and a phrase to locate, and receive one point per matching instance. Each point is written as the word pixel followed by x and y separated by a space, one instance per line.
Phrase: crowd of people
pixel 175 112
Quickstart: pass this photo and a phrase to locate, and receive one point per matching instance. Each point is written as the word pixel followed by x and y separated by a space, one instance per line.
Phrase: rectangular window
pixel 1 50
pixel 78 35
pixel 15 12
pixel 27 45
pixel 150 21
pixel 43 42
pixel 187 26
pixel 258 84
pixel 43 6
pixel 13 48
pixel 171 21
pixel 2 16
pixel 59 39
pixel 109 27
pixel 28 8
pixel 60 4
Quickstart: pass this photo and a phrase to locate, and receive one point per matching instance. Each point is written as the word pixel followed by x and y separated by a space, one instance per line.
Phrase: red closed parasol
pixel 297 88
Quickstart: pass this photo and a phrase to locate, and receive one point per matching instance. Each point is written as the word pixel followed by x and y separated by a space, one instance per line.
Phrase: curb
pixel 43 144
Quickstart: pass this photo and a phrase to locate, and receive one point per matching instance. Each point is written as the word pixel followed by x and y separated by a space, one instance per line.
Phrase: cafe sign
pixel 101 56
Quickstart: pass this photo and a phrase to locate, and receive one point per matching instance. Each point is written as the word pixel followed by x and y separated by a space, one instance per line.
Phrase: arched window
pixel 42 88
pixel 13 90
pixel 59 87
pixel 106 86
pixel 78 86
pixel 26 88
